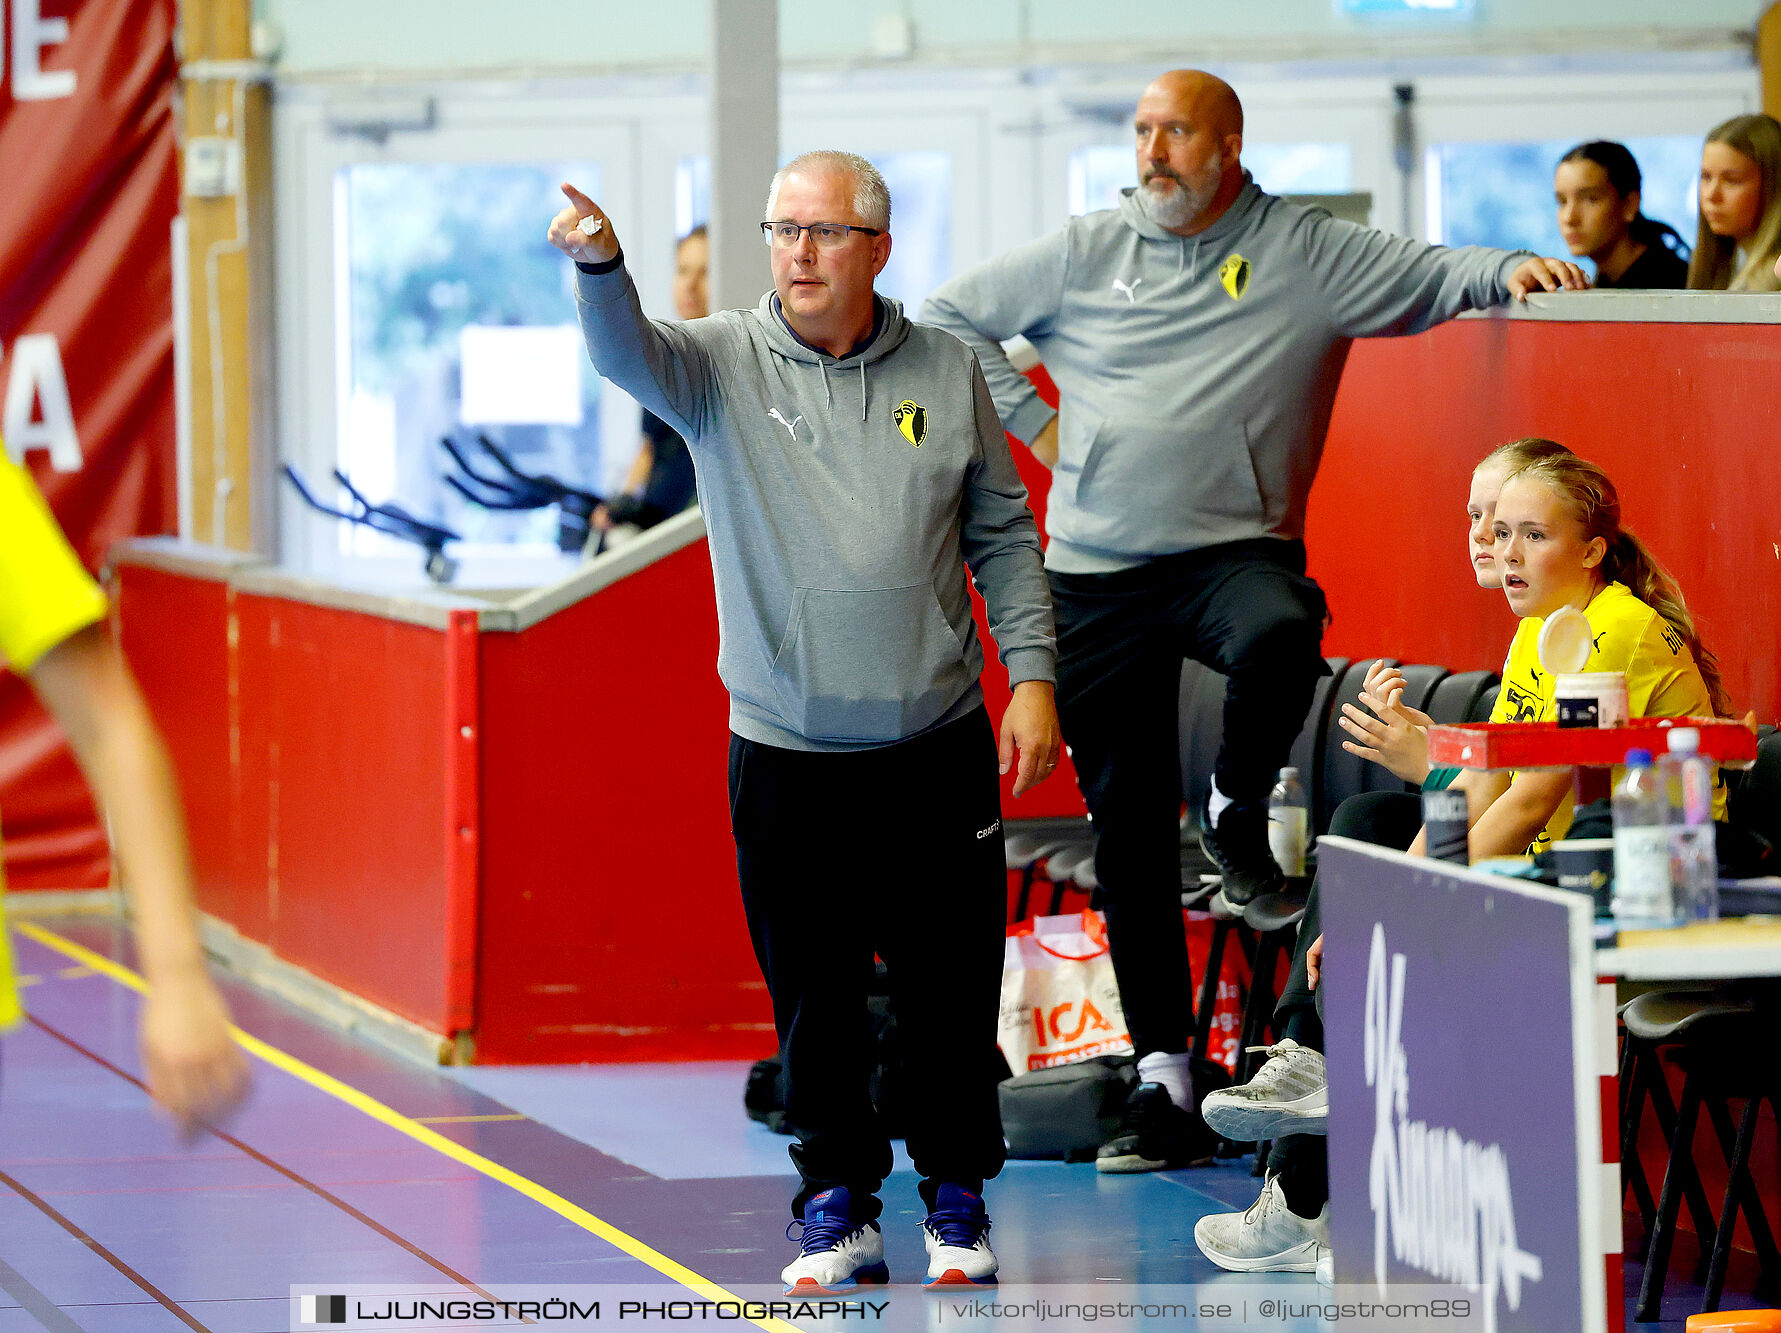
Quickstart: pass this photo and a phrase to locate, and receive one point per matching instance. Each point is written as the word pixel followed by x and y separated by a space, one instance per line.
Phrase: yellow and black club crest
pixel 1234 274
pixel 912 419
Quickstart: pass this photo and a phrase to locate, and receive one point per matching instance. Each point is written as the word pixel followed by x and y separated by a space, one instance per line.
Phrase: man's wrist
pixel 604 266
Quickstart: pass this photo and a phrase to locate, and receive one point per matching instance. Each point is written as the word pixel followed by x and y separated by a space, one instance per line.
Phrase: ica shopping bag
pixel 1060 1003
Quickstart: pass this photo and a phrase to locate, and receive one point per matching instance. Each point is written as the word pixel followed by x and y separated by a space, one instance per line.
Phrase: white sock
pixel 1173 1072
pixel 1216 804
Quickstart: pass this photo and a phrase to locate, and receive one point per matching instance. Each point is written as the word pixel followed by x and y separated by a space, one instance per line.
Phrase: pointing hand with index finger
pixel 582 231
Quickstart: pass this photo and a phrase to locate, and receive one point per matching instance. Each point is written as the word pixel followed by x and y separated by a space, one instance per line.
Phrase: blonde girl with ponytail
pixel 1560 542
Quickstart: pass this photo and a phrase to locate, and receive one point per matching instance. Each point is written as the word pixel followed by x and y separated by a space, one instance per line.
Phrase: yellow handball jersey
pixel 45 596
pixel 1661 679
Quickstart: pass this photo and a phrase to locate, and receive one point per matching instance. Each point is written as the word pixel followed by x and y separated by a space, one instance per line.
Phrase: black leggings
pixel 1301 1161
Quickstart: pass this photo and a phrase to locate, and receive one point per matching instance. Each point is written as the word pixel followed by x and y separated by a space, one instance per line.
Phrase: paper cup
pixel 1591 699
pixel 1586 865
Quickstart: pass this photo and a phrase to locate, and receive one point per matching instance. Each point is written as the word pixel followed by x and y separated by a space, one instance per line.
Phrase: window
pixel 457 320
pixel 1500 194
pixel 692 194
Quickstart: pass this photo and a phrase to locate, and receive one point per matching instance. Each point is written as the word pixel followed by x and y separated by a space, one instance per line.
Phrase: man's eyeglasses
pixel 824 235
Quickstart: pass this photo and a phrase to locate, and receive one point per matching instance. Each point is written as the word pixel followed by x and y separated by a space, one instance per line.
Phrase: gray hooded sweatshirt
pixel 1196 374
pixel 843 497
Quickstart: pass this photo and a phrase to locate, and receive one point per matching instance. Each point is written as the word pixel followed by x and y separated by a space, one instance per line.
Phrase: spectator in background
pixel 1596 187
pixel 660 482
pixel 1739 239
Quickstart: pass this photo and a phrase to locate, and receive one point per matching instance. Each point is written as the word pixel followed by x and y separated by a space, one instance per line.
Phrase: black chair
pixel 1274 917
pixel 1308 748
pixel 1465 696
pixel 1716 1040
pixel 1753 795
pixel 1344 774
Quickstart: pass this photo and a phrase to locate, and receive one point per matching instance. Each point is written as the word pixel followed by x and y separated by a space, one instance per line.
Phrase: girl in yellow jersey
pixel 1560 543
pixel 53 632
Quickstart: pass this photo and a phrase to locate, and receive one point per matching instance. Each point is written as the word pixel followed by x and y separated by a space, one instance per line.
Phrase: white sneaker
pixel 957 1236
pixel 1326 1266
pixel 834 1254
pixel 1268 1237
pixel 1288 1095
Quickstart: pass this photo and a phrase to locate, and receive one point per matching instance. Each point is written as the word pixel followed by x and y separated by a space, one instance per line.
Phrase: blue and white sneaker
pixel 957 1237
pixel 835 1253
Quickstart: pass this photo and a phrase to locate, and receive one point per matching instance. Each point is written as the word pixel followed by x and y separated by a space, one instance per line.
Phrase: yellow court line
pixel 402 1124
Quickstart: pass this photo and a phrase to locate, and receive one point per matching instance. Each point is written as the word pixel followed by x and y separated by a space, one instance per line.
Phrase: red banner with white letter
pixel 88 190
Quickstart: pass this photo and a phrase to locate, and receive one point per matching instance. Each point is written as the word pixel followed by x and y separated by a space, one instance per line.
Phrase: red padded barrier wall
pixel 611 924
pixel 344 720
pixel 1684 417
pixel 175 631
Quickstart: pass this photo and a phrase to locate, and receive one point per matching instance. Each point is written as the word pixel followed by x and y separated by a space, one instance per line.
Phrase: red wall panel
pixel 344 725
pixel 611 923
pixel 1684 417
pixel 175 631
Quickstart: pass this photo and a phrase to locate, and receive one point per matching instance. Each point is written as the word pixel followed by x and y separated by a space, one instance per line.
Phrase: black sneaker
pixel 1238 846
pixel 1156 1135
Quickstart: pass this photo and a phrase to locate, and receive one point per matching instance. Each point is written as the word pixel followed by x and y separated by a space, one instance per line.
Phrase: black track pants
pixel 1245 609
pixel 895 851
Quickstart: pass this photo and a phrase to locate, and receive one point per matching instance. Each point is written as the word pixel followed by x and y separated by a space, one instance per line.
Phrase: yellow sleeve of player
pixel 1522 697
pixel 45 594
pixel 1661 677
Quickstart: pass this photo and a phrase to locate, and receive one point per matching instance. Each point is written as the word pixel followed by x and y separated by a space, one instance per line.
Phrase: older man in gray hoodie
pixel 851 465
pixel 1196 334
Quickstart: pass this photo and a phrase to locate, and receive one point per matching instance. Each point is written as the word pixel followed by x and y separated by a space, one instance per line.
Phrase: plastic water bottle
pixel 1289 824
pixel 1687 781
pixel 1643 896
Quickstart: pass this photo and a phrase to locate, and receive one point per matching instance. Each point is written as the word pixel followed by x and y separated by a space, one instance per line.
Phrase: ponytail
pixel 1649 231
pixel 1630 561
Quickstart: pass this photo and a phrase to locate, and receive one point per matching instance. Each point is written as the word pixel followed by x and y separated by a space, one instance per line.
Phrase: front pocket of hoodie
pixel 874 665
pixel 1150 483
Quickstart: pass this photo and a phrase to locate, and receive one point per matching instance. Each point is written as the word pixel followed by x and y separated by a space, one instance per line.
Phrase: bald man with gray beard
pixel 1196 333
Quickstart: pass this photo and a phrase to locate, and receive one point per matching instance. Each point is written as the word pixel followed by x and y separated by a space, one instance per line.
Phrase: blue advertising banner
pixel 1465 1137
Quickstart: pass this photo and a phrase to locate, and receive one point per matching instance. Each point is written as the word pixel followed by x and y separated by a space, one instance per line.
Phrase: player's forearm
pixel 1514 819
pixel 133 777
pixel 88 687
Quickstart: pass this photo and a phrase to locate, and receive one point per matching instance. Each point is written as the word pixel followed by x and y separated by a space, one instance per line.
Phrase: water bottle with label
pixel 1687 780
pixel 1289 824
pixel 1643 897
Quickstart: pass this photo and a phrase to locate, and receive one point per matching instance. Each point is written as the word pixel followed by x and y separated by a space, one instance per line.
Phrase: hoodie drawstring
pixel 862 391
pixel 827 400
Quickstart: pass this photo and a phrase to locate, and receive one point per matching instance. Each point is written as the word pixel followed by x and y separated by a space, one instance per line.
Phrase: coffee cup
pixel 1591 699
pixel 1586 865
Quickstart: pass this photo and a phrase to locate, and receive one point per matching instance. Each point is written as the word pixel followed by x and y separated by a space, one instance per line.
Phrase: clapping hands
pixel 1393 734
